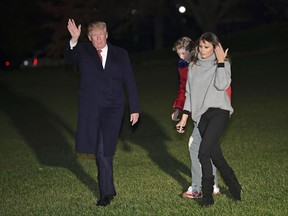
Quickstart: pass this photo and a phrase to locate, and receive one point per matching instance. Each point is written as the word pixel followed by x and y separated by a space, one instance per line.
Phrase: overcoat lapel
pixel 94 54
pixel 109 58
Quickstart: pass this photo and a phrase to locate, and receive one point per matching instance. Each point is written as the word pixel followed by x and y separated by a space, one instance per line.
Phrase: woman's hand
pixel 220 54
pixel 181 125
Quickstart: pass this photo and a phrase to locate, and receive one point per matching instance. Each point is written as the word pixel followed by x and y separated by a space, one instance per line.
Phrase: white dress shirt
pixel 103 53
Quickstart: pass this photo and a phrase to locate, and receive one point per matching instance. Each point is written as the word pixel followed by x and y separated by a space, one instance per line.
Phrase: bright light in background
pixel 25 63
pixel 7 63
pixel 134 11
pixel 182 9
pixel 35 62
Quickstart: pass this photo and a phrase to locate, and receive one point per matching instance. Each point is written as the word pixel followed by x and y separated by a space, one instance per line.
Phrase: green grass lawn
pixel 40 174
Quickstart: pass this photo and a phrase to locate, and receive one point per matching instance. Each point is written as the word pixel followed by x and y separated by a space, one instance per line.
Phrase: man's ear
pixel 89 37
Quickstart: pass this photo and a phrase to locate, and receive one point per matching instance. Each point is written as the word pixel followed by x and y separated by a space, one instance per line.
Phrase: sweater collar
pixel 207 61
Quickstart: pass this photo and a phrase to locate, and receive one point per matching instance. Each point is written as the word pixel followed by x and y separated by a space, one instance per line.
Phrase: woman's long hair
pixel 210 38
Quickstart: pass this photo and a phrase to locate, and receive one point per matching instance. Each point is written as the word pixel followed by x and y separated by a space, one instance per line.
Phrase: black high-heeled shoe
pixel 234 186
pixel 207 191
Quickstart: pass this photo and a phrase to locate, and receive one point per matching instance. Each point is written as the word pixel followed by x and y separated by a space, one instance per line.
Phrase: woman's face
pixel 206 49
pixel 184 54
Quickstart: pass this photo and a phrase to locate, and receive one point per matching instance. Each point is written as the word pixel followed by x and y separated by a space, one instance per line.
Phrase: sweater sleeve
pixel 187 105
pixel 223 76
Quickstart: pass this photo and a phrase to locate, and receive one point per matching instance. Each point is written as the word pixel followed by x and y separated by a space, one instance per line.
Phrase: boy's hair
pixel 183 42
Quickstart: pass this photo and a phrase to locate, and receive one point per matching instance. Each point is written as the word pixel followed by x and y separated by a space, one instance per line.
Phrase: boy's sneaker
pixel 192 194
pixel 216 190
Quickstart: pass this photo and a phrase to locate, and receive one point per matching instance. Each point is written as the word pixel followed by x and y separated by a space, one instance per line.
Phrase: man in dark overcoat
pixel 105 72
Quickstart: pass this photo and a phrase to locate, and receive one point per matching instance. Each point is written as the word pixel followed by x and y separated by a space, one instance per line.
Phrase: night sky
pixel 23 23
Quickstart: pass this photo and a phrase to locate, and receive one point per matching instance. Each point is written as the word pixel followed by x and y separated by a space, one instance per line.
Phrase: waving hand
pixel 74 30
pixel 220 53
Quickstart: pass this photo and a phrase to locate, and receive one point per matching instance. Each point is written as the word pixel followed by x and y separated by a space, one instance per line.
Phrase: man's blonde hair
pixel 97 25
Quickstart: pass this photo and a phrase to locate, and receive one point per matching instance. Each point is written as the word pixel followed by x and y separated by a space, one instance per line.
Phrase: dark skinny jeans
pixel 211 127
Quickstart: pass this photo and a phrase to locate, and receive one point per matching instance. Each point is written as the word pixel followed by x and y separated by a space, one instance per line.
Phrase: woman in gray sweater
pixel 210 107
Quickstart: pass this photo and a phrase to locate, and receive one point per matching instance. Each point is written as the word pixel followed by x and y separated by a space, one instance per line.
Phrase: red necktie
pixel 99 53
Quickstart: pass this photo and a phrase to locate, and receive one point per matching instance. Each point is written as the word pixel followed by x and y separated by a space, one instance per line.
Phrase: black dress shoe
pixel 104 200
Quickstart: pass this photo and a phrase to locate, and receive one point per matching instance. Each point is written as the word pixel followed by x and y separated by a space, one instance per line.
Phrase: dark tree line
pixel 136 24
pixel 144 23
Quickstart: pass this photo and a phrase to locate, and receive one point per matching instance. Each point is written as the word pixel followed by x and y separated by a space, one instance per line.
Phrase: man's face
pixel 98 37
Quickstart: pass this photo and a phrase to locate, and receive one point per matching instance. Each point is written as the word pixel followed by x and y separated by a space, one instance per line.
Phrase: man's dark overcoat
pixel 101 96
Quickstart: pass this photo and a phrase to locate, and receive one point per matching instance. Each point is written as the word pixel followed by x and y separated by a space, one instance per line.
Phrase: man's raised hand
pixel 74 30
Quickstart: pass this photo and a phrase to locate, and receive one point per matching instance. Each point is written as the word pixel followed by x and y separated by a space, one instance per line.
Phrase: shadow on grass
pixel 42 131
pixel 149 135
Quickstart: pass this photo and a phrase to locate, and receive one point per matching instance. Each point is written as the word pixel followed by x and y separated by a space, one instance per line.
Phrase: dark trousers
pixel 105 169
pixel 211 127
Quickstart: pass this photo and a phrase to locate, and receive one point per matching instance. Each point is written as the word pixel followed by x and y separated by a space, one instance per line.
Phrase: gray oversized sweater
pixel 206 87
